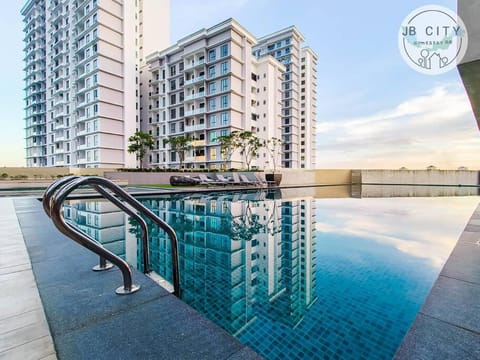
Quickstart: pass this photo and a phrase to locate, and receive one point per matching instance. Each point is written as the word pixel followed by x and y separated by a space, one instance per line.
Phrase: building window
pixel 211 71
pixel 213 136
pixel 224 85
pixel 224 50
pixel 225 117
pixel 213 120
pixel 224 67
pixel 212 55
pixel 212 104
pixel 224 101
pixel 212 87
pixel 172 128
pixel 173 70
pixel 213 154
pixel 173 85
pixel 173 99
pixel 173 114
pixel 224 132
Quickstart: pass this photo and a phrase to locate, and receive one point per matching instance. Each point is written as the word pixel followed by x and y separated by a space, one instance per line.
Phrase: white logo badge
pixel 432 39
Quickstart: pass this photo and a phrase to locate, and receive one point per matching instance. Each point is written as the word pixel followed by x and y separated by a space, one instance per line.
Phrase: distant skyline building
pixel 219 80
pixel 82 61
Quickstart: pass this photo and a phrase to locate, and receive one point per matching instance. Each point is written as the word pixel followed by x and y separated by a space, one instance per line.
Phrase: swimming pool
pixel 304 273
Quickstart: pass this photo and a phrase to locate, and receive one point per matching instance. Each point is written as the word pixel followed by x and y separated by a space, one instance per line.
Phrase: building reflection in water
pixel 387 191
pixel 242 255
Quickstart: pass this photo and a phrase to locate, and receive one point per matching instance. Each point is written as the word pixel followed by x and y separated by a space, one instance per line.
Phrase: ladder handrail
pixel 138 218
pixel 56 194
pixel 50 191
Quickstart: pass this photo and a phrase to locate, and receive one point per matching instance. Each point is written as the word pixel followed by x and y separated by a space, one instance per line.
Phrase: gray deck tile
pixel 19 294
pixel 33 350
pixel 12 323
pixel 430 338
pixel 469 237
pixel 455 302
pixel 175 332
pixel 22 335
pixel 463 263
pixel 15 268
pixel 24 331
pixel 474 222
pixel 474 228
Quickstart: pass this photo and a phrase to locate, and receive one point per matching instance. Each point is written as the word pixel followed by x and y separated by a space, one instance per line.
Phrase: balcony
pixel 194 80
pixel 195 159
pixel 195 112
pixel 198 143
pixel 194 64
pixel 194 96
pixel 197 127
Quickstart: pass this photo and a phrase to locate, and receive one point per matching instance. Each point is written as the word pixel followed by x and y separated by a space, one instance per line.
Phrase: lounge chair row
pixel 231 179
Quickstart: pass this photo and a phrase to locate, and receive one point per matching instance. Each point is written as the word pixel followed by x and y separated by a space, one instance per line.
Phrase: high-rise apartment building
pixel 299 95
pixel 35 83
pixel 222 79
pixel 82 62
pixel 205 86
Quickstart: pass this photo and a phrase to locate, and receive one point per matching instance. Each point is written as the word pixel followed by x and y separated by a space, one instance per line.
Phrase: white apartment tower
pixel 299 95
pixel 205 86
pixel 81 62
pixel 35 83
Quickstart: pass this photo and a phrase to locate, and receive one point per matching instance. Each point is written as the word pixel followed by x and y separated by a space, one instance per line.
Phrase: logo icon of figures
pixel 432 39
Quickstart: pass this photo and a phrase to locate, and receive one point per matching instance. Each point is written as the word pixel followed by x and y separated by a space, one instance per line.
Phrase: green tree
pixel 228 145
pixel 180 145
pixel 140 142
pixel 249 145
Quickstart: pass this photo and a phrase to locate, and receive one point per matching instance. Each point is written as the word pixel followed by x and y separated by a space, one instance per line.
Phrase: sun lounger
pixel 205 180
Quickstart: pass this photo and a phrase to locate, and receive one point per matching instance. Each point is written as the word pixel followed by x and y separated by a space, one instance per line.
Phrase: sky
pixel 373 110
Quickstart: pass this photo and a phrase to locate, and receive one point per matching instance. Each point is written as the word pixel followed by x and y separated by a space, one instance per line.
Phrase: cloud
pixel 435 128
pixel 425 228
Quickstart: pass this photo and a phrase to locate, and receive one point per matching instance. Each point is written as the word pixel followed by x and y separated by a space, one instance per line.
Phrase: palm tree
pixel 140 142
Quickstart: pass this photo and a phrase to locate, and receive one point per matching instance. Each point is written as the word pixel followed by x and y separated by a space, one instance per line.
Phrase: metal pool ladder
pixel 58 191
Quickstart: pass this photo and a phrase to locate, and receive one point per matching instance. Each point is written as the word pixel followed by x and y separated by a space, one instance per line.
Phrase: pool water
pixel 294 275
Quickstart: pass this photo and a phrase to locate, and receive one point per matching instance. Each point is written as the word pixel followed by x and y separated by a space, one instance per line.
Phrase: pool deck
pixel 86 319
pixel 45 314
pixel 448 325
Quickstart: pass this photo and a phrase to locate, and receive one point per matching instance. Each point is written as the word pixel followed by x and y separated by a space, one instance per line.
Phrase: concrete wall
pixel 48 173
pixel 432 177
pixel 383 191
pixel 469 68
pixel 315 177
